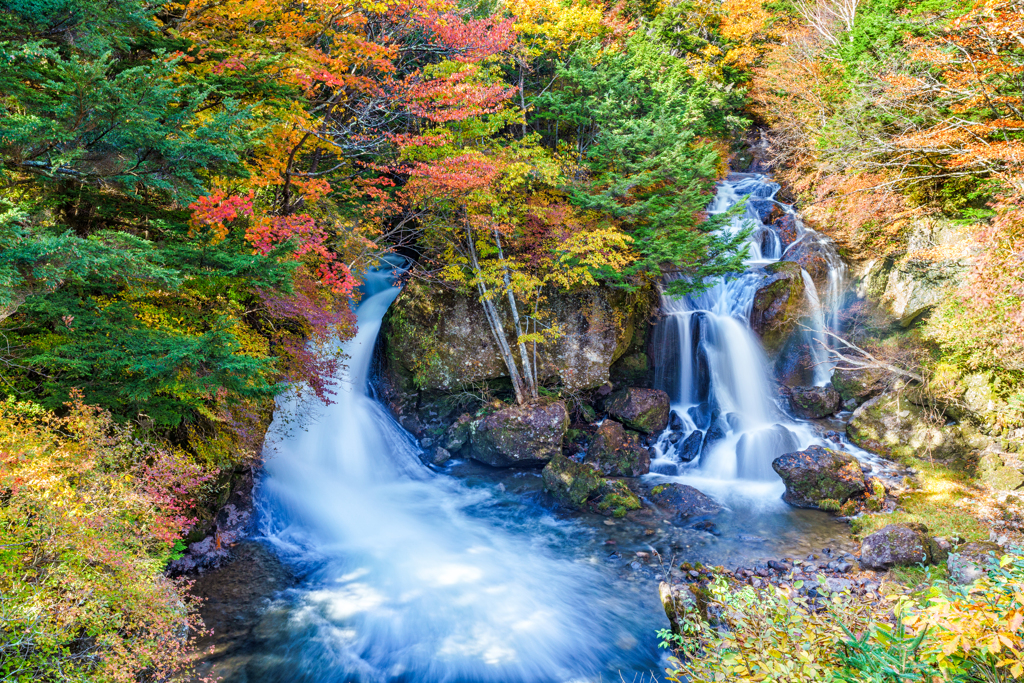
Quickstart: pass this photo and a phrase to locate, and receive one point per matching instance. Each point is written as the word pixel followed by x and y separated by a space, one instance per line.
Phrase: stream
pixel 403 572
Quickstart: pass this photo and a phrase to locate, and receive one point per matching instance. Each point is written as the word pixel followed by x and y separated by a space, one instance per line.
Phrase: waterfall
pixel 411 575
pixel 728 426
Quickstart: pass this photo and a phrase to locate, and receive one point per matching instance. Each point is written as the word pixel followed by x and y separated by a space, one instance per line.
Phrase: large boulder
pixel 971 561
pixel 892 426
pixel 896 545
pixel 571 483
pixel 683 502
pixel 617 453
pixel 778 305
pixel 818 474
pixel 520 436
pixel 814 402
pixel 815 254
pixel 435 338
pixel 993 471
pixel 645 410
pixel 860 385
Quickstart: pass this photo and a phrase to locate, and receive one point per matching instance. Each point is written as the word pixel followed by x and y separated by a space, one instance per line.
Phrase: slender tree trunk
pixel 528 373
pixel 494 320
pixel 522 94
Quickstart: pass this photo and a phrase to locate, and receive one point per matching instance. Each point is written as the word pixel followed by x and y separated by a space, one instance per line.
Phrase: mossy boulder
pixel 894 427
pixel 520 436
pixel 644 410
pixel 818 474
pixel 778 305
pixel 814 402
pixel 437 339
pixel 683 502
pixel 860 385
pixel 993 471
pixel 897 545
pixel 571 483
pixel 617 453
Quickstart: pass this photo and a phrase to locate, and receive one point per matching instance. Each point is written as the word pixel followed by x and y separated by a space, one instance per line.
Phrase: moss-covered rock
pixel 860 385
pixel 894 546
pixel 778 305
pixel 617 453
pixel 571 483
pixel 895 427
pixel 437 339
pixel 618 498
pixel 818 474
pixel 971 561
pixel 814 402
pixel 993 471
pixel 520 436
pixel 645 410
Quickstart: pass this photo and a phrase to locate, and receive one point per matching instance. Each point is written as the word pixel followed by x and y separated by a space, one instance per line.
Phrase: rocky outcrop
pixel 818 474
pixel 814 402
pixel 971 561
pixel 860 385
pixel 778 305
pixel 644 410
pixel 683 502
pixel 437 339
pixel 896 545
pixel 617 453
pixel 571 483
pixel 893 426
pixel 519 436
pixel 814 253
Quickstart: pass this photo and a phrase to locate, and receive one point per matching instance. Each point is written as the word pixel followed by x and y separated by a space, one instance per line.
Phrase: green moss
pixel 618 498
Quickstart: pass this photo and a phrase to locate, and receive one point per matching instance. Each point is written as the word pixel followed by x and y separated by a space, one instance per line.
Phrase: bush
pixel 89 516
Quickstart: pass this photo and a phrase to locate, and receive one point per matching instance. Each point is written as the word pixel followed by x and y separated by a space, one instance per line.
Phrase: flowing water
pixel 411 574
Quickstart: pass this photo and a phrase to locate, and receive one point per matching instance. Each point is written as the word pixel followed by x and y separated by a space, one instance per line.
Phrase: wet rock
pixel 818 474
pixel 785 226
pixel 814 402
pixel 617 498
pixel 519 436
pixel 702 416
pixel 972 561
pixel 441 456
pixel 895 545
pixel 715 433
pixel 993 471
pixel 675 423
pixel 689 449
pixel 813 254
pixel 892 426
pixel 459 433
pixel 617 453
pixel 683 502
pixel 645 410
pixel 571 483
pixel 860 385
pixel 778 305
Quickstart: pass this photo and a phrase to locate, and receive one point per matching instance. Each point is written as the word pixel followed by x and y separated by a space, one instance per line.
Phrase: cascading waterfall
pixel 413 575
pixel 728 428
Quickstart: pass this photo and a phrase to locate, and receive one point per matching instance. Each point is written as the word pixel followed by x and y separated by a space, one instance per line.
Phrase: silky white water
pixel 416 577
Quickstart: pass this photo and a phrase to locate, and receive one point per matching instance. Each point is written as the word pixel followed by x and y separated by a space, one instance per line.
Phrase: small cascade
pixel 727 425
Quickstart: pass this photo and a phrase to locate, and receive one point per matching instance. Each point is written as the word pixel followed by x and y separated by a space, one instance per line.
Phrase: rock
pixel 683 502
pixel 813 254
pixel 675 423
pixel 520 436
pixel 617 498
pixel 860 385
pixel 971 561
pixel 895 545
pixel 814 402
pixel 689 449
pixel 785 226
pixel 778 305
pixel 617 453
pixel 459 433
pixel 571 483
pixel 645 410
pixel 435 340
pixel 835 585
pixel 676 602
pixel 817 474
pixel 993 471
pixel 441 456
pixel 894 427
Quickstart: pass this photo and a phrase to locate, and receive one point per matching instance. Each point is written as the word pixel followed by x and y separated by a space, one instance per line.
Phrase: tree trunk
pixel 529 373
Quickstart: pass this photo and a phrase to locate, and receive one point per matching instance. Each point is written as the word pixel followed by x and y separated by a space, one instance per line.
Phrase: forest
pixel 195 191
